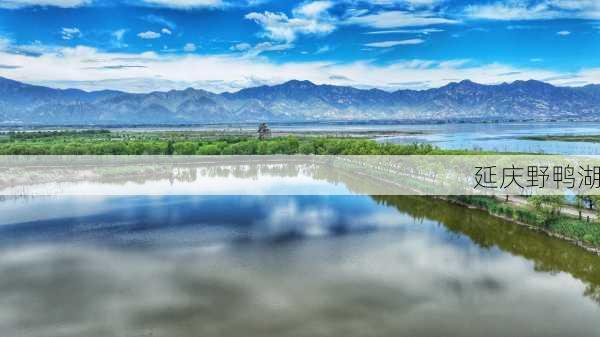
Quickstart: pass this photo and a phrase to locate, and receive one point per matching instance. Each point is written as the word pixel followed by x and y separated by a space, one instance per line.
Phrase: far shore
pixel 565 138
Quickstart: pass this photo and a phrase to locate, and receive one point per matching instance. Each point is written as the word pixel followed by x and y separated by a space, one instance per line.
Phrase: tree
pixel 210 149
pixel 595 199
pixel 547 206
pixel 170 149
pixel 306 148
pixel 579 204
pixel 186 148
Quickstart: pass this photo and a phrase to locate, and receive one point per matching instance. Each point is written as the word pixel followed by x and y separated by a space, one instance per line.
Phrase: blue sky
pixel 219 45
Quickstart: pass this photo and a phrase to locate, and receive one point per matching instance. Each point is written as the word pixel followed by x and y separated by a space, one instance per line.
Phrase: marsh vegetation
pixel 104 142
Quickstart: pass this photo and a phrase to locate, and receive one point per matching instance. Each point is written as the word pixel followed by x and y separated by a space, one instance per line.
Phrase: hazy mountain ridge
pixel 296 101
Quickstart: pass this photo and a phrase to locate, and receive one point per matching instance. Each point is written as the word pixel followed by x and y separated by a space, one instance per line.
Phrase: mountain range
pixel 25 104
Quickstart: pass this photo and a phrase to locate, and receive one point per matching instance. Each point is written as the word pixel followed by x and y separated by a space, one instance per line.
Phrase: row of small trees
pixel 588 201
pixel 549 206
pixel 234 146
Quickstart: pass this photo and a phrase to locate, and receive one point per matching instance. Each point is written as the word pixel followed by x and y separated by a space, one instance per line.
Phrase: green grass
pixel 495 206
pixel 578 229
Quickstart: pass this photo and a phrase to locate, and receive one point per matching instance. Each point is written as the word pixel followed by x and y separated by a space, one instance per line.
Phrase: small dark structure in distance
pixel 263 131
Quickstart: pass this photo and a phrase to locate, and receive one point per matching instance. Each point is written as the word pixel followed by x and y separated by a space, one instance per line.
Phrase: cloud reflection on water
pixel 231 266
pixel 378 284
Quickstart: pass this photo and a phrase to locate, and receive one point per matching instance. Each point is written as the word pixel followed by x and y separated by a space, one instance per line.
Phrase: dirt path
pixel 568 210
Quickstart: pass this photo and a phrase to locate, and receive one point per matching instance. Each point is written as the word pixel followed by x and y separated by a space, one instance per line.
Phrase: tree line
pixel 77 145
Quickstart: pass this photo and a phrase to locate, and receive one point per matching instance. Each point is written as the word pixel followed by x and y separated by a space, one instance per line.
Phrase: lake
pixel 284 266
pixel 505 137
pixel 302 265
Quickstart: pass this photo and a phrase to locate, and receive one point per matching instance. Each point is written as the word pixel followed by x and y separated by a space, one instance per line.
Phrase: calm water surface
pixel 284 266
pixel 505 137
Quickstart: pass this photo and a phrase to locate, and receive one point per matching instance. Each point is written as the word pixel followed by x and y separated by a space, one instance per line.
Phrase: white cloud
pixel 149 35
pixel 13 4
pixel 424 3
pixel 388 44
pixel 396 19
pixel 90 68
pixel 411 3
pixel 201 4
pixel 309 18
pixel 424 31
pixel 536 59
pixel 267 46
pixel 535 10
pixel 36 48
pixel 575 5
pixel 508 11
pixel 313 9
pixel 189 47
pixel 70 33
pixel 427 3
pixel 185 4
pixel 251 51
pixel 521 27
pixel 118 36
pixel 152 18
pixel 243 46
pixel 166 31
pixel 323 49
pixel 563 33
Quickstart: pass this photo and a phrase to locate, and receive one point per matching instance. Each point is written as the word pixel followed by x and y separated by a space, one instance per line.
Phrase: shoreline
pixel 579 243
pixel 592 139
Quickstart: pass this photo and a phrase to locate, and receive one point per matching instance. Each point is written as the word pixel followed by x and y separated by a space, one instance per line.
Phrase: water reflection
pixel 284 266
pixel 188 175
pixel 271 175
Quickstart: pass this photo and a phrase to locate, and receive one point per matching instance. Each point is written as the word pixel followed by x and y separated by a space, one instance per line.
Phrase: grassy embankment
pixel 587 232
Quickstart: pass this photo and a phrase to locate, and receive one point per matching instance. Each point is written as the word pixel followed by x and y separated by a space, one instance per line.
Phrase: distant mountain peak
pixel 531 82
pixel 462 85
pixel 469 83
pixel 297 100
pixel 299 83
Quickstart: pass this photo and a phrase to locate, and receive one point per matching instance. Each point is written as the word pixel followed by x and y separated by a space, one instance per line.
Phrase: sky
pixel 227 45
